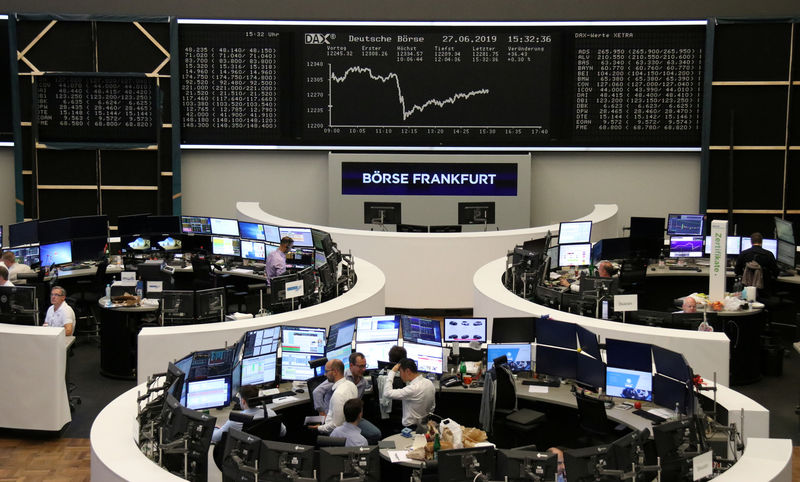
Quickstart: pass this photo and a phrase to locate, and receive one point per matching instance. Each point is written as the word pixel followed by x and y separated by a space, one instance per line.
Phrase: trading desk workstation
pixel 206 379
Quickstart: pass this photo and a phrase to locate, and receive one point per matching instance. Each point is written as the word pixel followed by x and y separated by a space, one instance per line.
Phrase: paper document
pixel 702 465
pixel 537 389
pixel 314 420
pixel 397 456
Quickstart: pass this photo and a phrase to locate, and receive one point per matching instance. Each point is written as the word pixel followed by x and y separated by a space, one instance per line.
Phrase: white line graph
pixel 401 98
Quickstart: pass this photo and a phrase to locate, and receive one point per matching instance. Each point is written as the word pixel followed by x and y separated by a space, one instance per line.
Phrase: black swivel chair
pixel 511 420
pixel 326 441
pixel 202 277
pixel 593 420
pixel 85 302
pixel 632 275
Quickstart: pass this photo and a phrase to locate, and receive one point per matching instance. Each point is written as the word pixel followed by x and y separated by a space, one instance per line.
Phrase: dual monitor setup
pixel 383 213
pixel 59 241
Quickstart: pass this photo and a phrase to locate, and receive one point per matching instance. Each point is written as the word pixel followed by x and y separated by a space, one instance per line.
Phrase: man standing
pixel 60 313
pixel 322 394
pixel 764 258
pixel 276 261
pixel 343 390
pixel 353 411
pixel 418 395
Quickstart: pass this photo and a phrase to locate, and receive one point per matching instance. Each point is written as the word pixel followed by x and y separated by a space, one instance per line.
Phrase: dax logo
pixel 319 38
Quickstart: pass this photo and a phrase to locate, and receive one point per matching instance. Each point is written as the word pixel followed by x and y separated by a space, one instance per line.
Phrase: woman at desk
pixel 60 313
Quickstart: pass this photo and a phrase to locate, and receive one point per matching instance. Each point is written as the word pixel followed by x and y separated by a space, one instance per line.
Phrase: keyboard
pixel 542 383
pixel 649 416
pixel 684 268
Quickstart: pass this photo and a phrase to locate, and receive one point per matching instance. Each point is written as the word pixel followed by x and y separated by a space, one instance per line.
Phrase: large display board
pixel 470 84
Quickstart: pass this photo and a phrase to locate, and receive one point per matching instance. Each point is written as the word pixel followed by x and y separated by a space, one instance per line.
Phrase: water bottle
pixel 108 294
pixel 139 290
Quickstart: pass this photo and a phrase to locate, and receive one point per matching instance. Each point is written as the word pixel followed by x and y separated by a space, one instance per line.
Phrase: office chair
pixel 508 417
pixel 326 441
pixel 87 323
pixel 632 275
pixel 202 278
pixel 593 419
pixel 267 428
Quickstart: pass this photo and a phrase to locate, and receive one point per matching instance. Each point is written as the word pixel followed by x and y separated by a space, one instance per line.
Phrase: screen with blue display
pixel 341 334
pixel 251 231
pixel 686 225
pixel 56 253
pixel 377 328
pixel 341 353
pixel 429 179
pixel 519 355
pixel 632 384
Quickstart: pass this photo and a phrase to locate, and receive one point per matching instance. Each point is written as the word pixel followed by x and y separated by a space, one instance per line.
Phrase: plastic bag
pixel 451 432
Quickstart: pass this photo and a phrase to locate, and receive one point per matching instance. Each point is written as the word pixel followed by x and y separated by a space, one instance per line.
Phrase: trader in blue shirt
pixel 353 411
pixel 276 261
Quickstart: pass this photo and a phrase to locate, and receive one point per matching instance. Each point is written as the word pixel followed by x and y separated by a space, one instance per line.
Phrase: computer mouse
pixel 299 390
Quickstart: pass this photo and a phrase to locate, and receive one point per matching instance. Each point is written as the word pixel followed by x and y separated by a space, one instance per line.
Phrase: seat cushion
pixel 525 416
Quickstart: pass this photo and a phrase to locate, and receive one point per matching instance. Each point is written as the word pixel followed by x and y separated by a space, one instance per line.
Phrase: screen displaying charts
pixel 56 253
pixel 342 353
pixel 375 352
pixel 225 246
pixel 631 384
pixel 341 334
pixel 377 328
pixel 259 369
pixel 212 393
pixel 574 254
pixel 685 225
pixel 575 232
pixel 422 330
pixel 301 236
pixel 263 341
pixel 294 366
pixel 253 250
pixel 428 357
pixel 303 340
pixel 685 246
pixel 733 245
pixel 465 329
pixel 195 224
pixel 224 227
pixel 518 354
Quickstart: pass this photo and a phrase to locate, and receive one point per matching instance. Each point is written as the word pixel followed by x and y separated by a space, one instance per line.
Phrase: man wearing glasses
pixel 323 392
pixel 60 313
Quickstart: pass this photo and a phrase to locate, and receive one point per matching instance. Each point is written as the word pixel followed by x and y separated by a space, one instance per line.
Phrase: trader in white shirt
pixel 343 390
pixel 60 313
pixel 10 262
pixel 418 395
pixel 4 276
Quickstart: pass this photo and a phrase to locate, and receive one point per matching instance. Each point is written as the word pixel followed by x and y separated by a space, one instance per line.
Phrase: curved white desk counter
pixel 432 270
pixel 157 346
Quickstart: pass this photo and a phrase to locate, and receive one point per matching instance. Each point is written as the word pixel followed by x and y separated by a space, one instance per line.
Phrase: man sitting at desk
pixel 246 392
pixel 10 262
pixel 765 259
pixel 353 411
pixel 689 305
pixel 4 276
pixel 605 269
pixel 322 394
pixel 343 390
pixel 276 261
pixel 60 313
pixel 417 396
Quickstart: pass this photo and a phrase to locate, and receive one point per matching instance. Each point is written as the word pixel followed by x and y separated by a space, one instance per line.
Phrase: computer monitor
pixel 377 328
pixel 180 421
pixel 23 233
pixel 556 333
pixel 301 236
pixel 272 234
pixel 342 353
pixel 285 462
pixel 459 465
pixel 224 227
pixel 252 231
pixel 28 256
pixel 17 299
pixel 55 230
pixel 209 393
pixel 557 362
pixel 677 442
pixel 587 342
pixel 671 364
pixel 375 352
pixel 421 330
pixel 163 224
pixel 226 246
pixel 465 330
pixel 260 369
pixel 177 305
pixel 517 329
pixel 89 226
pixel 56 253
pixel 668 392
pixel 195 225
pixel 784 230
pixel 135 243
pixel 733 245
pixel 598 286
pixel 132 225
pixel 253 250
pixel 589 372
pixel 786 254
pixel 294 366
pixel 769 244
pixel 261 341
pixel 89 249
pixel 612 248
pixel 428 357
pixel 210 304
pixel 518 354
pixel 240 456
pixel 629 354
pixel 630 384
pixel 349 463
pixel 685 246
pixel 476 212
pixel 574 232
pixel 574 254
pixel 302 339
pixel 446 228
pixel 171 243
pixel 584 464
pixel 647 227
pixel 686 225
pixel 341 334
pixel 412 228
pixel 382 213
pixel 519 465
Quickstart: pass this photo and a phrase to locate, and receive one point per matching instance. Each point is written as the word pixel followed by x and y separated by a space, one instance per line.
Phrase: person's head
pixel 689 305
pixel 8 258
pixel 247 392
pixel 397 353
pixel 358 364
pixel 560 455
pixel 756 239
pixel 353 410
pixel 57 296
pixel 334 370
pixel 408 369
pixel 605 269
pixel 286 244
pixel 3 273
